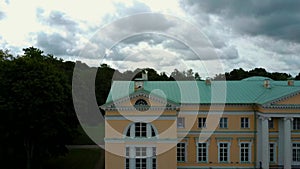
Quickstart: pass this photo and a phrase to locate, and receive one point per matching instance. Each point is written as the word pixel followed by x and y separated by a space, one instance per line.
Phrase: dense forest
pixel 37 113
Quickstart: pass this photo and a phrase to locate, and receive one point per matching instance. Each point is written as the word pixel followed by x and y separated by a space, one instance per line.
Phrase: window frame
pixel 146 152
pixel 249 153
pixel 201 122
pixel 245 122
pixel 223 123
pixel 227 151
pixel 274 152
pixel 182 124
pixel 183 149
pixel 206 152
pixel 131 132
pixel 297 150
pixel 296 123
pixel 271 123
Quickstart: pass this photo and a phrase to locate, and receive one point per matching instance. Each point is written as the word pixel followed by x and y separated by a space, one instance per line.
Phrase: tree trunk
pixel 29 152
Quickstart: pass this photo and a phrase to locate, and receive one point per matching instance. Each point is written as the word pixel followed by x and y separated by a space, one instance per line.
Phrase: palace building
pixel 251 123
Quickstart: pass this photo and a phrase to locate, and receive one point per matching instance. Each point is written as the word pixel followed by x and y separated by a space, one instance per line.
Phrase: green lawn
pixel 78 159
pixel 96 131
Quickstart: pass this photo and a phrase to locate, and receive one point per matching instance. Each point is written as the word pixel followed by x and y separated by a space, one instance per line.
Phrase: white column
pixel 149 132
pixel 265 142
pixel 258 142
pixel 287 147
pixel 280 154
pixel 132 131
pixel 131 157
pixel 149 157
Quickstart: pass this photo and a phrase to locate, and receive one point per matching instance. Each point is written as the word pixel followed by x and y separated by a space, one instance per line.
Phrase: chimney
pixel 267 83
pixel 290 82
pixel 208 81
pixel 139 82
pixel 145 75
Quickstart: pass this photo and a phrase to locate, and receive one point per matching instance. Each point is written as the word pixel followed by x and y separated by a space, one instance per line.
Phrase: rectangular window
pixel 201 122
pixel 272 152
pixel 140 151
pixel 223 152
pixel 296 152
pixel 245 152
pixel 271 123
pixel 296 124
pixel 245 122
pixel 140 129
pixel 140 163
pixel 202 152
pixel 140 157
pixel 153 163
pixel 180 122
pixel 223 122
pixel 181 152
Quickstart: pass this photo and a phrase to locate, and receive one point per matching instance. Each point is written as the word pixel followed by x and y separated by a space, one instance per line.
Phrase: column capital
pixel 263 117
pixel 288 118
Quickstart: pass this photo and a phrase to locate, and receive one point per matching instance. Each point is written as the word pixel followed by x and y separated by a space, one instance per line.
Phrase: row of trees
pixel 37 112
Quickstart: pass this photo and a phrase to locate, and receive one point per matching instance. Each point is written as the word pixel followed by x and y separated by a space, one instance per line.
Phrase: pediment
pixel 287 101
pixel 154 101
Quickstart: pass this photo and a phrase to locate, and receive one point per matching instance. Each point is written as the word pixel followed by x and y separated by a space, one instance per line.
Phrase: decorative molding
pixel 144 117
pixel 283 98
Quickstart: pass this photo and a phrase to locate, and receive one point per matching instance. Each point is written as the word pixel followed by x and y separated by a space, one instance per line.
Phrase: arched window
pixel 141 102
pixel 141 130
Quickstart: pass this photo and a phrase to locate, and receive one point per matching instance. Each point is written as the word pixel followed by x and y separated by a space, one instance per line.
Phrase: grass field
pixel 79 158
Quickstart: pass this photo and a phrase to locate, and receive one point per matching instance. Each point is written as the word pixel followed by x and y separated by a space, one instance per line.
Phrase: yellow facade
pixel 168 134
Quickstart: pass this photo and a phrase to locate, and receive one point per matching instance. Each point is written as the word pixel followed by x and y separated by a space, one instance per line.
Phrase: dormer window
pixel 141 102
pixel 138 85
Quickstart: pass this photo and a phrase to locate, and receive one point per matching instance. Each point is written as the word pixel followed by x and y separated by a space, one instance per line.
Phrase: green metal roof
pixel 229 92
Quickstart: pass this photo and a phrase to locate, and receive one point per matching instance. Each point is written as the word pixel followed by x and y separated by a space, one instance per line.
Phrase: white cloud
pixel 66 27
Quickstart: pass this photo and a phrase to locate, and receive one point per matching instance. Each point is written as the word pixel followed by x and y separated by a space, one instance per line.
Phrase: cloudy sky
pixel 209 36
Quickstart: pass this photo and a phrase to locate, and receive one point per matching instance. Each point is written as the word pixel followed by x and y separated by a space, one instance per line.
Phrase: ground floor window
pixel 181 152
pixel 272 152
pixel 140 158
pixel 296 152
pixel 140 163
pixel 224 152
pixel 202 152
pixel 245 152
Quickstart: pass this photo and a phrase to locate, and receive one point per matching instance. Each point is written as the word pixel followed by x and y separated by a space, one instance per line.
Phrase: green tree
pixel 297 77
pixel 38 119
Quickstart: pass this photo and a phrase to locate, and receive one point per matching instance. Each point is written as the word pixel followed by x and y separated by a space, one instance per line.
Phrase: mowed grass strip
pixel 79 158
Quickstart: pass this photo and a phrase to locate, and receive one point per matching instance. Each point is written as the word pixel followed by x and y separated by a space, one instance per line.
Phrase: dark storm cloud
pixel 279 19
pixel 55 44
pixel 57 19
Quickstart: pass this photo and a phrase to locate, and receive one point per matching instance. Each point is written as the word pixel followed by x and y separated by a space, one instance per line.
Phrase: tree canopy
pixel 38 117
pixel 36 106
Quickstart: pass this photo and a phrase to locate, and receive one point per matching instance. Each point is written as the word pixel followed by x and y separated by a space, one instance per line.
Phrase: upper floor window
pixel 223 122
pixel 180 122
pixel 296 124
pixel 271 123
pixel 245 122
pixel 181 152
pixel 141 130
pixel 201 122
